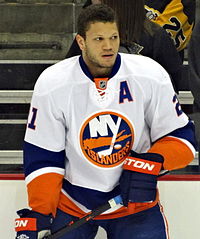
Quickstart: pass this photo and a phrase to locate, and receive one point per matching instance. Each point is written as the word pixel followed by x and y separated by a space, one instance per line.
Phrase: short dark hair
pixel 94 13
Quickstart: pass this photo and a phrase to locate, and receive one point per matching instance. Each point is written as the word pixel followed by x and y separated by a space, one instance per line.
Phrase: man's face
pixel 100 47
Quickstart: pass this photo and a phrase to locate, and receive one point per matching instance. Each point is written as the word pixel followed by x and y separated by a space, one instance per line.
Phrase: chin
pixel 108 64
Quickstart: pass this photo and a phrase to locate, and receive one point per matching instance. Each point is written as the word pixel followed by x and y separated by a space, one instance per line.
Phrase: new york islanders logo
pixel 106 138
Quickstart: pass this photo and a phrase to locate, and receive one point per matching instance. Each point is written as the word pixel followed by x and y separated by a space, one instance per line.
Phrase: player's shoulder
pixel 137 62
pixel 134 58
pixel 56 75
pixel 144 67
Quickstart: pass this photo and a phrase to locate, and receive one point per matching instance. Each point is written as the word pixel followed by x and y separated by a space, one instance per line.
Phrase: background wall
pixel 180 200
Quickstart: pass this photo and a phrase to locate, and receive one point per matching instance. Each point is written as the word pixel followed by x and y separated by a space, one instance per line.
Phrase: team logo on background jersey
pixel 106 138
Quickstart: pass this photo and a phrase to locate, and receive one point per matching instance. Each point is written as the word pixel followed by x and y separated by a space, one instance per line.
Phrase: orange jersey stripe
pixel 176 154
pixel 44 192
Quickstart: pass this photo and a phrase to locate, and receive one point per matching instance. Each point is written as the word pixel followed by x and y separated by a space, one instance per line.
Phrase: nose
pixel 107 45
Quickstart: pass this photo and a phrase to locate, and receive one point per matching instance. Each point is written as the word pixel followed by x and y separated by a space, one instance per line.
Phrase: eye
pixel 98 38
pixel 114 37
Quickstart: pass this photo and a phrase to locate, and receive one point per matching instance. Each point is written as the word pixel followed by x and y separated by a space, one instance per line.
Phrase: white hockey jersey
pixel 81 129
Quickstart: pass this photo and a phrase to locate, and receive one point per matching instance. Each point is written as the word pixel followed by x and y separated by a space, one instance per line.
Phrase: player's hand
pixel 138 182
pixel 32 225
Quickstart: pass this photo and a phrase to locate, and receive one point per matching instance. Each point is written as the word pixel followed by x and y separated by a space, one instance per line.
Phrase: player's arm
pixel 44 158
pixel 172 132
pixel 177 148
pixel 173 137
pixel 138 181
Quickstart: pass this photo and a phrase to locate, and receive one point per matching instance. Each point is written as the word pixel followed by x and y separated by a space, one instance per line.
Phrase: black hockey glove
pixel 138 181
pixel 32 225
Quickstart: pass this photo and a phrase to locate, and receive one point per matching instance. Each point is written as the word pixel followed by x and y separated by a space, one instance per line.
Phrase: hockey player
pixel 177 17
pixel 101 124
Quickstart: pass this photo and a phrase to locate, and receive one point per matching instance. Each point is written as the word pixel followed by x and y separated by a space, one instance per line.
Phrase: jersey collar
pixel 89 75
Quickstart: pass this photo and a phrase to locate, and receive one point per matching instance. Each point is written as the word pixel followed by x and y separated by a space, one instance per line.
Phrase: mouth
pixel 108 56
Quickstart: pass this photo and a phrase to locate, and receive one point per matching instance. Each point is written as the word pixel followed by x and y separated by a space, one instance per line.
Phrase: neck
pixel 99 72
pixel 96 70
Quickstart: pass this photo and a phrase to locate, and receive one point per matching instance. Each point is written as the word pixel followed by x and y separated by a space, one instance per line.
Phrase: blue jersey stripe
pixel 89 198
pixel 187 133
pixel 36 158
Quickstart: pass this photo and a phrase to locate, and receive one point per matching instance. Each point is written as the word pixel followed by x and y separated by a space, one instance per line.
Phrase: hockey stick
pixel 163 173
pixel 73 225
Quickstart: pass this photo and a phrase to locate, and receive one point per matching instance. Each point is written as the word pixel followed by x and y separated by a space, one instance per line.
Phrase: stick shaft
pixel 73 225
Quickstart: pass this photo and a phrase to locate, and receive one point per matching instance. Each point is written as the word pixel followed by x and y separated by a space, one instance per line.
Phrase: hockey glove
pixel 32 225
pixel 138 181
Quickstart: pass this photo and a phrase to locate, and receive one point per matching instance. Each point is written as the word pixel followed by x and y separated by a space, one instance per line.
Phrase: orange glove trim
pixel 142 165
pixel 25 224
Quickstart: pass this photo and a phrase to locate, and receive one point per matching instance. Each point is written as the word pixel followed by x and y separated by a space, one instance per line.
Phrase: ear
pixel 81 42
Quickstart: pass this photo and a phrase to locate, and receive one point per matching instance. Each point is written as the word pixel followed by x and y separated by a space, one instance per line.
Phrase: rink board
pixel 179 194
